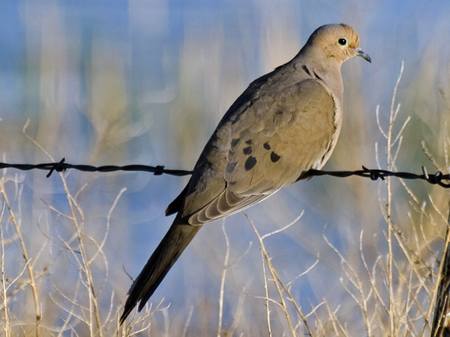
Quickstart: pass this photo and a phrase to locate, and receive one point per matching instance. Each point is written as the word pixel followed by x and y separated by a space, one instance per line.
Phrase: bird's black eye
pixel 342 41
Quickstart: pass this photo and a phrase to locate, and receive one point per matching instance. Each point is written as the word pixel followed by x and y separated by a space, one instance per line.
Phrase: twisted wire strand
pixel 437 178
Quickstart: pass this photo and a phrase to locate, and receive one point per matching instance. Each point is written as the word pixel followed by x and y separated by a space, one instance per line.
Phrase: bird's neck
pixel 328 71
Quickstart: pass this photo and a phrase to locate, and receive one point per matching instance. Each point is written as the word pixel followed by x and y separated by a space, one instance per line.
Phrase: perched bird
pixel 285 123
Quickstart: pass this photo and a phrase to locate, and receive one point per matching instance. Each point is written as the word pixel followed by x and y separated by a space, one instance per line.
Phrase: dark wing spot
pixel 266 146
pixel 306 70
pixel 247 150
pixel 231 166
pixel 274 157
pixel 249 163
pixel 277 117
pixel 318 77
pixel 249 142
pixel 235 141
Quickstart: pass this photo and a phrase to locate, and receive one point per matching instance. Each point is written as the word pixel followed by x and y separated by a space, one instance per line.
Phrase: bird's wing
pixel 257 150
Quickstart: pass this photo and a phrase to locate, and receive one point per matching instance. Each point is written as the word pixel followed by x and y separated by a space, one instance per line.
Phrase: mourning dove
pixel 285 123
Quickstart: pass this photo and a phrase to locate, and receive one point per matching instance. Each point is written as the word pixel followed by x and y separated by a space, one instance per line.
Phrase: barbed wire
pixel 437 178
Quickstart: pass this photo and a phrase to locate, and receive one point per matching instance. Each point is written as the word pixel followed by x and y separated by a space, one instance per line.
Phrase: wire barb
pixel 437 178
pixel 58 167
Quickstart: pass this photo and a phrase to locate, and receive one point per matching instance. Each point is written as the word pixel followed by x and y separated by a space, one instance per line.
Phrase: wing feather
pixel 260 149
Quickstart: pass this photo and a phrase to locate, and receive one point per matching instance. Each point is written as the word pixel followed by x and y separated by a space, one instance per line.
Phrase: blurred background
pixel 146 81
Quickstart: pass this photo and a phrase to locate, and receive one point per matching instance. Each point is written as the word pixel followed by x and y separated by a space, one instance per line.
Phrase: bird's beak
pixel 362 54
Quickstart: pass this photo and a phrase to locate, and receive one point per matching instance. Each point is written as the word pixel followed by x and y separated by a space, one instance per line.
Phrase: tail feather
pixel 162 259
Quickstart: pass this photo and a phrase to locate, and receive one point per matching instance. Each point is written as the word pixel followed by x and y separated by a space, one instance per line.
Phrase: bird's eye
pixel 342 41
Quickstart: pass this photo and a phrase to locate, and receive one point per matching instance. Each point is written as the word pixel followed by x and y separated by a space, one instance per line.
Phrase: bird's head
pixel 338 42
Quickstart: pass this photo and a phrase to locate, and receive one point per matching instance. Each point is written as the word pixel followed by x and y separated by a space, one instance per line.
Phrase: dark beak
pixel 365 56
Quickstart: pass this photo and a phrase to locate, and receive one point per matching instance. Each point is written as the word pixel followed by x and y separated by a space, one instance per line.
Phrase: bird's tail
pixel 157 266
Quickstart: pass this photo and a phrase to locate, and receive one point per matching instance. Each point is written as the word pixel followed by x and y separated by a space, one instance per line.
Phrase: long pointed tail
pixel 157 266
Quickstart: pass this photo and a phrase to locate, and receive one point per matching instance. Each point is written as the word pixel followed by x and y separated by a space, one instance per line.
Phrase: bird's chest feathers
pixel 332 139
